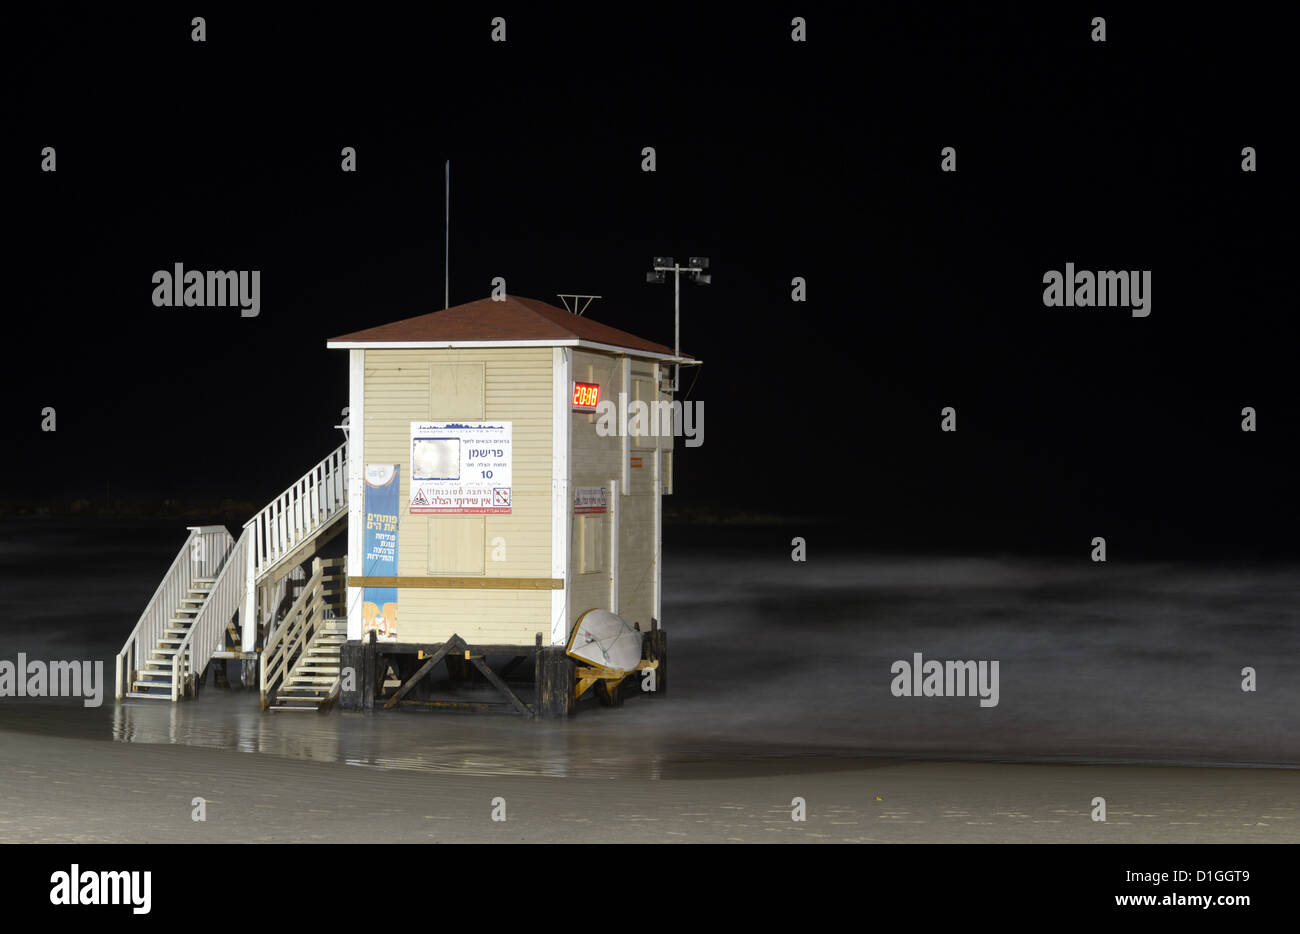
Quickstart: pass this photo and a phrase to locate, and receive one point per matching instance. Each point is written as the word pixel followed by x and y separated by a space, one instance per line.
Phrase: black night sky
pixel 775 159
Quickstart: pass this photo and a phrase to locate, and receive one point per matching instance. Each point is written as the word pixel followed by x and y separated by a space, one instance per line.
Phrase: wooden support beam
pixel 457 705
pixel 477 662
pixel 491 648
pixel 454 644
pixel 462 583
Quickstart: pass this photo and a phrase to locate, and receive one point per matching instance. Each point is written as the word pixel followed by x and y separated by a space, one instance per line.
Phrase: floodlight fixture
pixel 694 270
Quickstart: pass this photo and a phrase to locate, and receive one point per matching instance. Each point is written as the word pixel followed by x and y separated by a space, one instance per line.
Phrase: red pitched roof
pixel 514 319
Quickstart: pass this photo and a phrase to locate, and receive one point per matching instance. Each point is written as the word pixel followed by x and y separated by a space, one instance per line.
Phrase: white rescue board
pixel 606 640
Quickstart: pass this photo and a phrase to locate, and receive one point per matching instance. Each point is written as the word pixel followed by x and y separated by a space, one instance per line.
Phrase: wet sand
pixel 75 790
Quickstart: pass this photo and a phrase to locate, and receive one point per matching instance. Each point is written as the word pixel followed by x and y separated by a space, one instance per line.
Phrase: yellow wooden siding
pixel 509 617
pixel 402 386
pixel 597 461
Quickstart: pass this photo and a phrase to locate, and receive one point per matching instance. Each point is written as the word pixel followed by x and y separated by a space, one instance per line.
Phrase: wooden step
pixel 142 695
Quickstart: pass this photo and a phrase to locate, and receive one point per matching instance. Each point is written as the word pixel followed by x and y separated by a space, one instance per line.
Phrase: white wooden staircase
pixel 300 661
pixel 190 619
pixel 315 676
pixel 155 677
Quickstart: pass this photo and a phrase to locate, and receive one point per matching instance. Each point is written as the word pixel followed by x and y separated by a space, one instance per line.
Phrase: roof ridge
pixel 508 320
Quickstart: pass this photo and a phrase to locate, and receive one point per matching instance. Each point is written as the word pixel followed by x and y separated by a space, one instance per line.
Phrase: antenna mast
pixel 446 244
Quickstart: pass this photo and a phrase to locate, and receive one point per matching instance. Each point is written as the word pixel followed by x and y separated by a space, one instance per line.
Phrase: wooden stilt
pixel 555 682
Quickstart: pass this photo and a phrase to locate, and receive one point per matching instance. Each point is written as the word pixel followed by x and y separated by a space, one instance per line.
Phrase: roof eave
pixel 455 345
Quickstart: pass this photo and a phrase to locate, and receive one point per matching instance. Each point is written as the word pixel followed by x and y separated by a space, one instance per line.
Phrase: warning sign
pixel 460 467
pixel 589 500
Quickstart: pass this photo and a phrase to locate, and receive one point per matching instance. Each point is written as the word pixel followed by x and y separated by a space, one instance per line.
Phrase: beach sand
pixel 67 789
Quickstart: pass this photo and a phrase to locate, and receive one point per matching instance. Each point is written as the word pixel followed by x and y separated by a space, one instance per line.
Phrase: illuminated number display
pixel 585 396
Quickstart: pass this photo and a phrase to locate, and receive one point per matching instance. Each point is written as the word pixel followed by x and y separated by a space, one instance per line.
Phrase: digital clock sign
pixel 585 396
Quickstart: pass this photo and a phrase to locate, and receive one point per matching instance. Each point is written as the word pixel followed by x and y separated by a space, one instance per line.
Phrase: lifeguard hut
pixel 502 479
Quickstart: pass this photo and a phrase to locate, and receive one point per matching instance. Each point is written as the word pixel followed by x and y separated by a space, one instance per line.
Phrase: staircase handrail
pixel 205 548
pixel 300 624
pixel 207 632
pixel 289 519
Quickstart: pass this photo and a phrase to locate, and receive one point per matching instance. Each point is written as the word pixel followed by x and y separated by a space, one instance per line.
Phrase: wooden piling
pixel 654 647
pixel 369 687
pixel 556 674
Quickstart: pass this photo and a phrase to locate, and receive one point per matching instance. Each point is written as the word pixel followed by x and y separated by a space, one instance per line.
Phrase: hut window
pixel 591 544
pixel 455 545
pixel 456 391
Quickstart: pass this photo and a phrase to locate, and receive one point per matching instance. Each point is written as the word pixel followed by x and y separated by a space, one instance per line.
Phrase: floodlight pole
pixel 677 325
pixel 696 268
pixel 676 269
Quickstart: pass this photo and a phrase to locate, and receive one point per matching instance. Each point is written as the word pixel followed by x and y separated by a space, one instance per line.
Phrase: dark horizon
pixel 925 288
